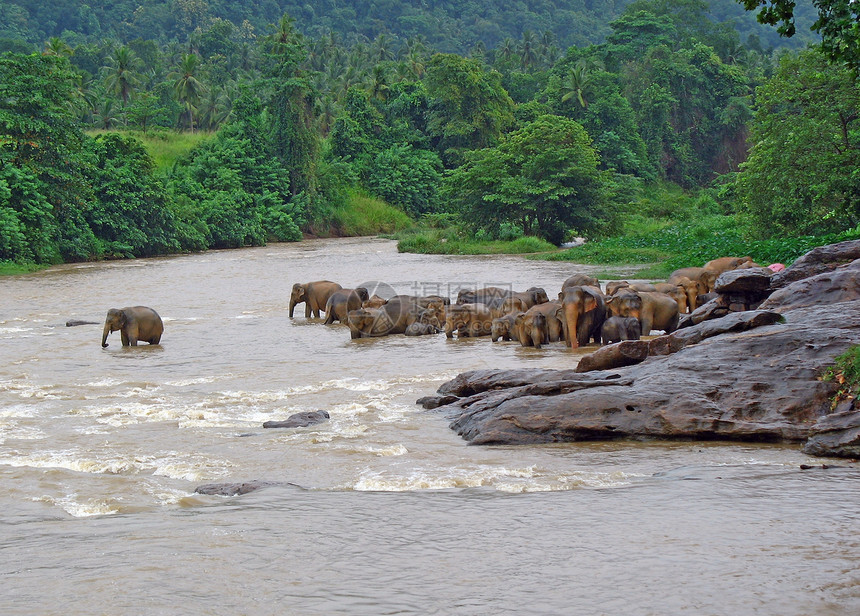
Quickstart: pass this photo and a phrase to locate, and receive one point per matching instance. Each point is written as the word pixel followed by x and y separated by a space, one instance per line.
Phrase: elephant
pixel 654 310
pixel 580 280
pixel 540 324
pixel 421 329
pixel 616 329
pixel 135 323
pixel 703 278
pixel 504 327
pixel 508 305
pixel 436 303
pixel 374 301
pixel 725 264
pixel 314 295
pixel 584 313
pixel 532 296
pixel 676 292
pixel 613 285
pixel 393 317
pixel 468 320
pixel 341 302
pixel 482 296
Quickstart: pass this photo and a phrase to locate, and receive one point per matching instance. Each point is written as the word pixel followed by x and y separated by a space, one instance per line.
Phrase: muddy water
pixel 382 509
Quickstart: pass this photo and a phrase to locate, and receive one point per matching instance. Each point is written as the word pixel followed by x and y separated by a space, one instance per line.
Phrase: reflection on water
pixel 381 509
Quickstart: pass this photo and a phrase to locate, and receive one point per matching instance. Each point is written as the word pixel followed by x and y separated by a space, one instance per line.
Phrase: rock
pixel 756 385
pixel 433 402
pixel 713 309
pixel 835 435
pixel 299 420
pixel 817 261
pixel 744 281
pixel 732 322
pixel 232 489
pixel 837 285
pixel 76 322
pixel 624 353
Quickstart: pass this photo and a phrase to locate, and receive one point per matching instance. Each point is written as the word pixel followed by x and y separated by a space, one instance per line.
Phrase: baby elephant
pixel 136 324
pixel 616 329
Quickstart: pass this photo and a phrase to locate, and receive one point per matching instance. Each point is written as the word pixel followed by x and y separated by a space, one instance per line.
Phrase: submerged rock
pixel 233 489
pixel 745 377
pixel 299 420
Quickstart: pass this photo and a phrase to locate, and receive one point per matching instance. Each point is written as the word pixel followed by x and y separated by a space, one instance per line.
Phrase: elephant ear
pixel 590 302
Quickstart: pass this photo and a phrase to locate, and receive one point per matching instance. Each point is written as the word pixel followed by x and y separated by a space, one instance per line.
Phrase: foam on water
pixel 513 480
pixel 82 509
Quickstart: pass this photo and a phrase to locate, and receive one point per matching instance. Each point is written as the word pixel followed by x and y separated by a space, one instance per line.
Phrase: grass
pixel 366 215
pixel 443 242
pixel 845 372
pixel 10 268
pixel 164 146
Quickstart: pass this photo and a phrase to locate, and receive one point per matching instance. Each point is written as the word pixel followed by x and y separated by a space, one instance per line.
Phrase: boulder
pixel 299 420
pixel 753 281
pixel 624 353
pixel 434 402
pixel 817 261
pixel 836 285
pixel 836 435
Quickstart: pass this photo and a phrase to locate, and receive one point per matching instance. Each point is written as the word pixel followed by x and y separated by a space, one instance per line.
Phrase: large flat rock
pixel 759 384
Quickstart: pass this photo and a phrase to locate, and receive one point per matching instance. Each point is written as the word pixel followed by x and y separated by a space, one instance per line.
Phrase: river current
pixel 382 509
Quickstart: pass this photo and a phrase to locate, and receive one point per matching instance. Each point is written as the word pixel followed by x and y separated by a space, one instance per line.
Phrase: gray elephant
pixel 616 329
pixel 135 323
pixel 342 301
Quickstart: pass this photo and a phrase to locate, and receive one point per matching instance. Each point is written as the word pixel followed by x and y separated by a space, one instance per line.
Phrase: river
pixel 382 509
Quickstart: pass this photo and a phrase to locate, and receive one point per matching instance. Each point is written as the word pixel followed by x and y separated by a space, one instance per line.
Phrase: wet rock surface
pixel 748 376
pixel 233 489
pixel 299 420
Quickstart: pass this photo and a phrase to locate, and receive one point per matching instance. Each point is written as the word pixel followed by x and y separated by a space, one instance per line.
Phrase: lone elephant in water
pixel 135 323
pixel 314 295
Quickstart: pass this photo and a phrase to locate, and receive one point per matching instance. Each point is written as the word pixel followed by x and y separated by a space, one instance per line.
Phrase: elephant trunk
pixel 292 307
pixel 107 330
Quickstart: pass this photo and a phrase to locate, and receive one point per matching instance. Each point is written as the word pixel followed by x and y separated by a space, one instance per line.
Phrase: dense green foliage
pixel 447 25
pixel 144 129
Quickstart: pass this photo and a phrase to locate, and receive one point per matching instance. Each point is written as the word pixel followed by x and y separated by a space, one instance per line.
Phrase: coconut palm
pixel 55 46
pixel 528 50
pixel 186 86
pixel 122 74
pixel 576 84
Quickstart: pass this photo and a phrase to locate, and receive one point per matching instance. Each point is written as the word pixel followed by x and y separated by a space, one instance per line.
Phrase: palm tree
pixel 104 116
pixel 122 74
pixel 507 49
pixel 186 86
pixel 378 82
pixel 55 46
pixel 528 49
pixel 382 48
pixel 578 81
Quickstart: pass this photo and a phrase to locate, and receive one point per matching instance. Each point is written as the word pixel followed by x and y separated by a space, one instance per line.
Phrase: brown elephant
pixel 508 305
pixel 676 292
pixel 532 296
pixel 654 310
pixel 725 264
pixel 540 324
pixel 393 317
pixel 314 295
pixel 580 280
pixel 616 329
pixel 703 278
pixel 135 323
pixel 468 320
pixel 613 285
pixel 482 296
pixel 584 312
pixel 341 302
pixel 504 327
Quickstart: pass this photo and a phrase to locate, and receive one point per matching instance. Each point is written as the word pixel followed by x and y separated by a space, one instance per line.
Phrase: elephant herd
pixel 582 313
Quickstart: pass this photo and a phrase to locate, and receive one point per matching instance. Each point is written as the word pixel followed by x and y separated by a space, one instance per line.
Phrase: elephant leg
pixel 125 339
pixel 308 309
pixel 646 325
